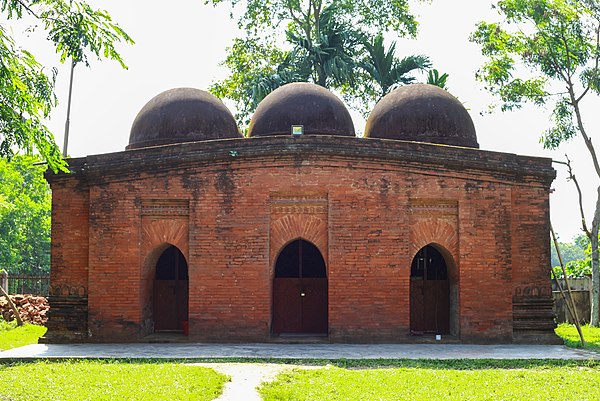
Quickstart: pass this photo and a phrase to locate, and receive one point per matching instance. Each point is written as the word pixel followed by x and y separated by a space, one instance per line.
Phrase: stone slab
pixel 298 351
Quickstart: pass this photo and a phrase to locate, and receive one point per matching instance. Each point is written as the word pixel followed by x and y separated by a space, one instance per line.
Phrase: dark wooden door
pixel 165 301
pixel 287 305
pixel 170 291
pixel 300 298
pixel 314 305
pixel 429 293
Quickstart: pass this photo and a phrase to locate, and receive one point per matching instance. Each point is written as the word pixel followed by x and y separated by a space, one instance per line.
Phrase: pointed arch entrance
pixel 429 292
pixel 171 288
pixel 300 300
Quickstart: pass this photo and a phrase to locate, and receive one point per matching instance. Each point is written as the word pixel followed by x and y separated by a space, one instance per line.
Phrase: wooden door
pixel 429 293
pixel 170 291
pixel 165 301
pixel 300 298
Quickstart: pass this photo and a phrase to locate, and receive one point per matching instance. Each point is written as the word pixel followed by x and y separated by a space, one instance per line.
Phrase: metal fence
pixel 25 284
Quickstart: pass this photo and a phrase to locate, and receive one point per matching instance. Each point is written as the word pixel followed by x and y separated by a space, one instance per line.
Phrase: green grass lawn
pixel 108 380
pixel 568 333
pixel 347 380
pixel 12 336
pixel 334 383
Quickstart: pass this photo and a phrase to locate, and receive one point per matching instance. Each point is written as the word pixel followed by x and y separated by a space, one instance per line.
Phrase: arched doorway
pixel 429 293
pixel 300 291
pixel 170 291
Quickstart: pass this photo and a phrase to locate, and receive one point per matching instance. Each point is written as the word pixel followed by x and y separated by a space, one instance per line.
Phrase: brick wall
pixel 368 205
pixel 69 259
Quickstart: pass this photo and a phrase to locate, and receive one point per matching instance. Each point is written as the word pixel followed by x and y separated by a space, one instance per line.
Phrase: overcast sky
pixel 180 43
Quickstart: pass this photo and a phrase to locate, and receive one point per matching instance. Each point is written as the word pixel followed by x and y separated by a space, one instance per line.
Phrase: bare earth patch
pixel 245 377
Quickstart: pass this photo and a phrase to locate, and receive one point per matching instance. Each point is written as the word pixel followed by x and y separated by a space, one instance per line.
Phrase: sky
pixel 181 43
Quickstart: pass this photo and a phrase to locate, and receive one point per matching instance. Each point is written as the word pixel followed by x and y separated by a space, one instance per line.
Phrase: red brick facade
pixel 368 205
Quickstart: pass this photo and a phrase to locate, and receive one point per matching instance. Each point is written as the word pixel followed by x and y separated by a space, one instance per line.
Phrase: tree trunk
pixel 67 122
pixel 321 76
pixel 595 272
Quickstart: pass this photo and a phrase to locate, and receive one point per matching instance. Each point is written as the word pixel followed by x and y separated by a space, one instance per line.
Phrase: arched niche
pixel 170 291
pixel 300 291
pixel 433 292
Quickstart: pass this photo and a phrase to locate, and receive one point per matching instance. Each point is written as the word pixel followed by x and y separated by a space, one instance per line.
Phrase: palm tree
pixel 434 78
pixel 386 70
pixel 329 57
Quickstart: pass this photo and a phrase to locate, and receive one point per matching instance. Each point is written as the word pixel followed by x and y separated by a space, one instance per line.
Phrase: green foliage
pixel 26 98
pixel 263 17
pixel 109 380
pixel 568 332
pixel 563 128
pixel 579 249
pixel 576 256
pixel 328 57
pixel 540 46
pixel 25 204
pixel 334 383
pixel 434 78
pixel 385 70
pixel 575 268
pixel 12 336
pixel 26 89
pixel 253 65
pixel 326 43
pixel 75 27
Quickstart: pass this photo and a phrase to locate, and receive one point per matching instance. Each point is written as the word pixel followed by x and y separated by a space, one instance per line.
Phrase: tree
pixel 253 66
pixel 326 42
pixel 571 251
pixel 266 18
pixel 26 89
pixel 25 204
pixel 386 70
pixel 548 52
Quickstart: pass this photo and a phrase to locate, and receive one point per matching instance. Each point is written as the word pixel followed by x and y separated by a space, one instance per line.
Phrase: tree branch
pixel 597 62
pixel 316 4
pixel 567 51
pixel 29 10
pixel 586 138
pixel 554 58
pixel 293 15
pixel 579 193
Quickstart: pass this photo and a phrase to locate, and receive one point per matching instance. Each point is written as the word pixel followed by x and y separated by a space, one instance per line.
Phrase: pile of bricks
pixel 31 308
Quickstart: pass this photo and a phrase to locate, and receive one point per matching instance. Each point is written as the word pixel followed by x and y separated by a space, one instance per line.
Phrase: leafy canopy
pixel 25 204
pixel 543 52
pixel 26 89
pixel 260 18
pixel 548 52
pixel 327 42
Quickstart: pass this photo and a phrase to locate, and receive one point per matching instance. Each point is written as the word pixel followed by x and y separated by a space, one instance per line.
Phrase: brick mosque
pixel 408 232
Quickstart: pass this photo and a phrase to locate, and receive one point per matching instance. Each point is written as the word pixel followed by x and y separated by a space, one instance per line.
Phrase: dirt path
pixel 245 377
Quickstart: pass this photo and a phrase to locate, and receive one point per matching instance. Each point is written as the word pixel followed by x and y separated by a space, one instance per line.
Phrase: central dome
pixel 182 115
pixel 301 103
pixel 423 113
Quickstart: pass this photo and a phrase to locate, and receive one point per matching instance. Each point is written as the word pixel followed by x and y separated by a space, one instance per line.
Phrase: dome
pixel 182 115
pixel 301 103
pixel 424 113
